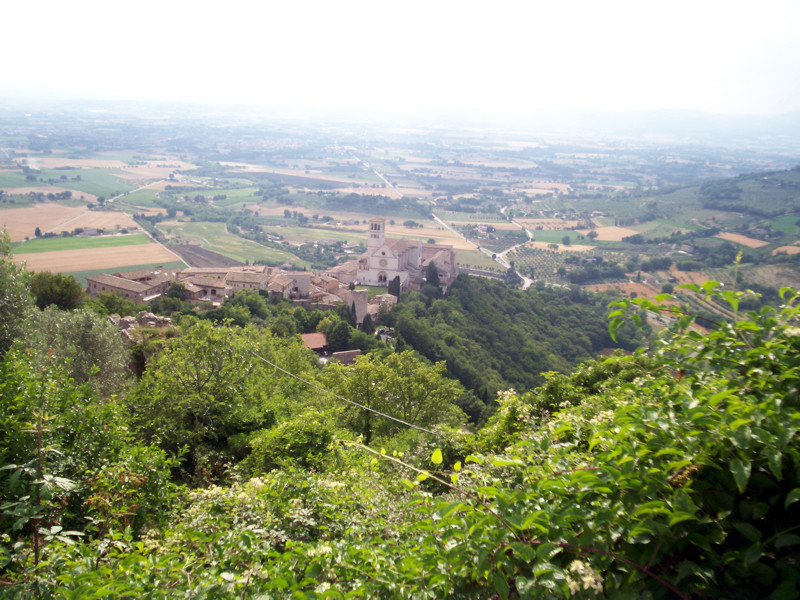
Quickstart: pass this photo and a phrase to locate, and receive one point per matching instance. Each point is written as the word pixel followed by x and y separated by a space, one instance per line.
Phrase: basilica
pixel 386 259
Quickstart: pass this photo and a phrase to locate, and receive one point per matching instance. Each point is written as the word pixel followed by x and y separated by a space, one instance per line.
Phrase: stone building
pixel 386 259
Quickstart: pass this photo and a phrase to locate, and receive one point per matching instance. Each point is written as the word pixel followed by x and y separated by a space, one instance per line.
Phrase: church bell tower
pixel 377 233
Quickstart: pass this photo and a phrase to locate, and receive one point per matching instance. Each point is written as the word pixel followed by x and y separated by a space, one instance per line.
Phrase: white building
pixel 407 259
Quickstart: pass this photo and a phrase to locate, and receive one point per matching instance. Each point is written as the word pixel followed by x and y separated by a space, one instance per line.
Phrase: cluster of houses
pixel 214 284
pixel 383 262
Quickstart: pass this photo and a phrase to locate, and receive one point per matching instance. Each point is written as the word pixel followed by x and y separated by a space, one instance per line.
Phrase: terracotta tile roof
pixel 104 279
pixel 398 246
pixel 314 341
pixel 208 282
pixel 133 275
pixel 244 277
pixel 346 357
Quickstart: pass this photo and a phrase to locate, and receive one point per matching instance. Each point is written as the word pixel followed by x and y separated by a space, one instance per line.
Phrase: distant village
pixel 384 261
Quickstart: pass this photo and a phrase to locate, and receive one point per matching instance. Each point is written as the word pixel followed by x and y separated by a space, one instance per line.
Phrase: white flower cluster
pixel 604 416
pixel 582 576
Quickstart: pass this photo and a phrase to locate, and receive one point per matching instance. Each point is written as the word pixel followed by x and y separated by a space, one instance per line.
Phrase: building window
pixel 382 277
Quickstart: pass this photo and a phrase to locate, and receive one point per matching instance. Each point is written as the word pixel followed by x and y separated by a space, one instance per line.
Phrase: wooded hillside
pixel 236 467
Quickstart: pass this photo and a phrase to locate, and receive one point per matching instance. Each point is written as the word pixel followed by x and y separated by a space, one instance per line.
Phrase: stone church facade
pixel 407 259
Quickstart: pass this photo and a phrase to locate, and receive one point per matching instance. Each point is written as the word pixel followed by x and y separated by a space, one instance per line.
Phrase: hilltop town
pixel 385 261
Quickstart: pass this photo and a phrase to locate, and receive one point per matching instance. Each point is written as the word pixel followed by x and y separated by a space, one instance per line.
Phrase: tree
pixel 512 278
pixel 16 305
pixel 176 290
pixel 592 235
pixel 402 385
pixel 37 232
pixel 394 286
pixel 85 346
pixel 208 386
pixel 367 325
pixel 565 240
pixel 339 336
pixel 57 289
pixel 432 274
pixel 110 303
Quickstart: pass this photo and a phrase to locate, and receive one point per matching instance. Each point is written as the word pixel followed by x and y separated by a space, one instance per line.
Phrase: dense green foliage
pixel 58 289
pixel 16 304
pixel 674 473
pixel 492 337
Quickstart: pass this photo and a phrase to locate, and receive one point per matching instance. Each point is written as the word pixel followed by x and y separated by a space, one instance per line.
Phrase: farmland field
pixel 67 261
pixel 77 197
pixel 12 179
pixel 561 247
pixel 786 250
pixel 742 240
pixel 100 182
pixel 476 259
pixel 312 234
pixel 611 234
pixel 144 198
pixel 22 222
pixel 236 196
pixel 463 217
pixel 215 237
pixel 78 243
pixel 547 224
pixel 101 219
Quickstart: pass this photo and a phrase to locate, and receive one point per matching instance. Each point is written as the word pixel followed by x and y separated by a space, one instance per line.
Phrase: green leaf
pixel 792 497
pixel 679 517
pixel 524 551
pixel 454 478
pixel 787 539
pixel 774 460
pixel 436 457
pixel 786 590
pixel 422 477
pixel 753 554
pixel 230 577
pixel 457 466
pixel 748 531
pixel 741 473
pixel 501 585
pixel 408 483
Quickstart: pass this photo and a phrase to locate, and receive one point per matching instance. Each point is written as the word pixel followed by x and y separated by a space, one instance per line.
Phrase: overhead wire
pixel 335 395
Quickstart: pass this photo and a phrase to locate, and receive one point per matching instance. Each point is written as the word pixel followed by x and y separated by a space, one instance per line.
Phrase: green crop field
pixel 81 276
pixel 214 237
pixel 787 224
pixel 555 236
pixel 78 243
pixel 11 179
pixel 661 228
pixel 100 182
pixel 477 259
pixel 140 198
pixel 447 215
pixel 236 197
pixel 310 234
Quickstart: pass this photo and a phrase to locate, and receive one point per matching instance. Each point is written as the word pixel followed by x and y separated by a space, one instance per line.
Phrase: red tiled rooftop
pixel 314 341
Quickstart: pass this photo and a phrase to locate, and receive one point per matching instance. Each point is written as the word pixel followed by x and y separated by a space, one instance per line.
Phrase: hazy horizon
pixel 730 58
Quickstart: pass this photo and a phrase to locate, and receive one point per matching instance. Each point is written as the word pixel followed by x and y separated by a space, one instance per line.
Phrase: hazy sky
pixel 494 56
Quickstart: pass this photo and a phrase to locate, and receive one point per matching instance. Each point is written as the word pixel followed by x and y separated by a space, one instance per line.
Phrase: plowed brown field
pixel 22 222
pixel 66 261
